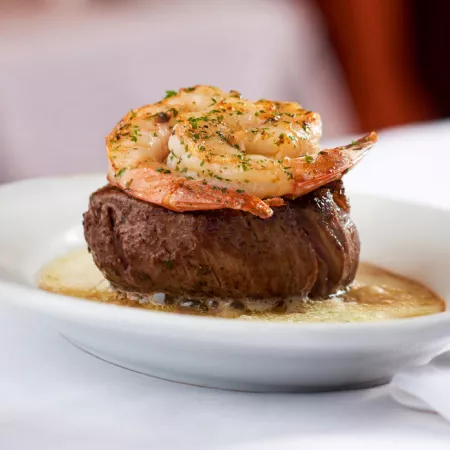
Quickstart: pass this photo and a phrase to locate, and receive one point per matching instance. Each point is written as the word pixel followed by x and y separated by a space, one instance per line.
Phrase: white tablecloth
pixel 53 396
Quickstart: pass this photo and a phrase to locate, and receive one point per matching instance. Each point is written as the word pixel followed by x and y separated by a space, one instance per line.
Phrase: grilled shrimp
pixel 202 148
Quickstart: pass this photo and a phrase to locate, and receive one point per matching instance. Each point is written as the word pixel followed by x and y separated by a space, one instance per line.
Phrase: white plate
pixel 40 219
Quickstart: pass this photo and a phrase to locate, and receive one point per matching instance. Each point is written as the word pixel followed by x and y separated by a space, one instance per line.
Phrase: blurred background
pixel 69 69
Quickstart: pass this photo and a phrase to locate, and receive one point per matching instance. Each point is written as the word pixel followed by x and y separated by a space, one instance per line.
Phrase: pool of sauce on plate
pixel 376 294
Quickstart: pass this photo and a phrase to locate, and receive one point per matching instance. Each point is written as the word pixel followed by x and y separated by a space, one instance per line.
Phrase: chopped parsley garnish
pixel 167 171
pixel 220 134
pixel 190 89
pixel 121 171
pixel 134 133
pixel 155 134
pixel 174 112
pixel 240 191
pixel 309 159
pixel 170 94
pixel 160 169
pixel 169 263
pixel 195 120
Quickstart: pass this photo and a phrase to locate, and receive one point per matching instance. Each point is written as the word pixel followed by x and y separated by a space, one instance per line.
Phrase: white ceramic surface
pixel 40 219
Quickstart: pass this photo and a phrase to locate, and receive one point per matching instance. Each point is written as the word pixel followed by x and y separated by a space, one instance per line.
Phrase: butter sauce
pixel 376 294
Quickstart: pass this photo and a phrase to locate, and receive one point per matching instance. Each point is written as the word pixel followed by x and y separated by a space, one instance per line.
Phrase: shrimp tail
pixel 180 194
pixel 200 196
pixel 330 164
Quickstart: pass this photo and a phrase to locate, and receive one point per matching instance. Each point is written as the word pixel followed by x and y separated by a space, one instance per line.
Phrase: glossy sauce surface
pixel 376 294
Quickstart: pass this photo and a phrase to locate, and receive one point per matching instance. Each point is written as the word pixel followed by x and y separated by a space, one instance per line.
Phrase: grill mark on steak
pixel 332 235
pixel 213 271
pixel 111 213
pixel 322 230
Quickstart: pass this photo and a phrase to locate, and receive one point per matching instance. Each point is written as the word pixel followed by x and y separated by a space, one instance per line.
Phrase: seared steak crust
pixel 309 247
